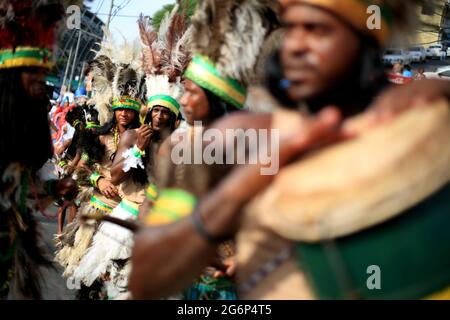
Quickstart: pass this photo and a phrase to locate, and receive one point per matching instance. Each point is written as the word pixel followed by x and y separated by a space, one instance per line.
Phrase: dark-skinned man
pixel 131 173
pixel 352 82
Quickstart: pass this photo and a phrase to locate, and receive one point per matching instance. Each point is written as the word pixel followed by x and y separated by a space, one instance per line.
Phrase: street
pixel 54 286
pixel 430 65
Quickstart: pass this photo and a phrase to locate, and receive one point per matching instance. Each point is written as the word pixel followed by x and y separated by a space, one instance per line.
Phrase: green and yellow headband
pixel 166 102
pixel 203 72
pixel 126 103
pixel 355 13
pixel 25 57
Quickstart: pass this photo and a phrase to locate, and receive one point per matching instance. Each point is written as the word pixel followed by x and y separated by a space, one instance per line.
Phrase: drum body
pixel 364 219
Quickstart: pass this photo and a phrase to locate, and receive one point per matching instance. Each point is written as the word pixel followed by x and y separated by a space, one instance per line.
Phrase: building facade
pixel 435 26
pixel 76 47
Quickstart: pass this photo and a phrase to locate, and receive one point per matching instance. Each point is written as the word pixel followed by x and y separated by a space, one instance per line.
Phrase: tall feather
pixel 231 33
pixel 165 53
pixel 117 72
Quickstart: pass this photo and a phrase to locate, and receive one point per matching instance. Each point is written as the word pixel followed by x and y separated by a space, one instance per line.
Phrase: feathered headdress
pixel 227 40
pixel 118 77
pixel 165 57
pixel 28 32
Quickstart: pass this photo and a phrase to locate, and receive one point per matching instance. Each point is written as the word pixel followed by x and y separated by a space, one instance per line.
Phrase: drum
pixel 366 219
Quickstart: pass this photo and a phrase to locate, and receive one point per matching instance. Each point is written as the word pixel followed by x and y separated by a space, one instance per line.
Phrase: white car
pixel 393 56
pixel 440 73
pixel 434 51
pixel 418 54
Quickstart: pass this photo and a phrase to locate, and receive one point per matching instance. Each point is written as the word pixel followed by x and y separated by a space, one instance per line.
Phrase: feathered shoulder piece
pixel 231 33
pixel 165 55
pixel 28 32
pixel 228 37
pixel 118 77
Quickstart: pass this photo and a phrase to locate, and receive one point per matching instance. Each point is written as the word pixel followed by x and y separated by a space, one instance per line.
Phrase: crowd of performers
pixel 359 184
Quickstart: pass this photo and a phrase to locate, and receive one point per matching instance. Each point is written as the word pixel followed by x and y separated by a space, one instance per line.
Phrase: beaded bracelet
pixel 62 163
pixel 94 178
pixel 85 157
pixel 137 152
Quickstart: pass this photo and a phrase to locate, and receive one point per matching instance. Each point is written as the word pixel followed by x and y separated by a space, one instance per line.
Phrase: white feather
pixel 237 60
pixel 160 85
pixel 111 242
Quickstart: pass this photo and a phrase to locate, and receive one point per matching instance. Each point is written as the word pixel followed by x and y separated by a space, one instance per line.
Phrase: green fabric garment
pixel 411 250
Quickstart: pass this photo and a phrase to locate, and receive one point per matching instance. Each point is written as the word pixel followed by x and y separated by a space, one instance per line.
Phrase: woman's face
pixel 125 116
pixel 194 103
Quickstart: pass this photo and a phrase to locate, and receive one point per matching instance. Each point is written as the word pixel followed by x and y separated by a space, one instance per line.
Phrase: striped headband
pixel 203 72
pixel 25 57
pixel 166 102
pixel 126 102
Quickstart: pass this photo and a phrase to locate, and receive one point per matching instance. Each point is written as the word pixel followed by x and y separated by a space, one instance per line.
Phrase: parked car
pixel 418 54
pixel 393 56
pixel 440 73
pixel 434 51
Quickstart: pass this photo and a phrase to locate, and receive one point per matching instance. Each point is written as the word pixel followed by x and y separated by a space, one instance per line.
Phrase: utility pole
pixel 110 15
pixel 75 60
pixel 67 67
pixel 81 73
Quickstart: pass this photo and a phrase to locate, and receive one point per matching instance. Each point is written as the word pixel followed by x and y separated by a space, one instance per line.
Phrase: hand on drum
pixel 398 99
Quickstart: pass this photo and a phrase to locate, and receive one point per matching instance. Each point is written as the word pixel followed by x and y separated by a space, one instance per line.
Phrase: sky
pixel 131 9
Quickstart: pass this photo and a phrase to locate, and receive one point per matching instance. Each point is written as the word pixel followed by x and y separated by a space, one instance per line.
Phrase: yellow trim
pixel 152 192
pixel 181 208
pixel 442 295
pixel 131 204
pixel 25 62
pixel 165 104
pixel 353 11
pixel 128 104
pixel 217 82
pixel 100 207
pixel 155 219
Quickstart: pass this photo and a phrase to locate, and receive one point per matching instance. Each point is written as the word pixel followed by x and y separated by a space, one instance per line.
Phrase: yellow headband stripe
pixel 204 74
pixel 165 102
pixel 126 103
pixel 25 57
